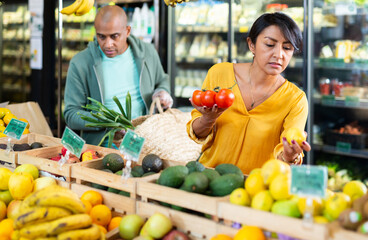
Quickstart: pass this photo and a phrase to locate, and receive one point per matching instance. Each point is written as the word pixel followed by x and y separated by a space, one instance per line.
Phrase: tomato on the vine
pixel 225 98
pixel 208 98
pixel 196 98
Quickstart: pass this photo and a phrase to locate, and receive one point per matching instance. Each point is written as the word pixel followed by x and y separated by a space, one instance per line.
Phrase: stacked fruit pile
pixel 194 177
pixel 85 156
pixel 78 7
pixel 5 117
pixel 57 212
pixel 268 189
pixel 173 3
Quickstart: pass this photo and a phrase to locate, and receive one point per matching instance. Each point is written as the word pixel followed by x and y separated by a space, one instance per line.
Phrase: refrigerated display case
pixel 15 52
pixel 339 99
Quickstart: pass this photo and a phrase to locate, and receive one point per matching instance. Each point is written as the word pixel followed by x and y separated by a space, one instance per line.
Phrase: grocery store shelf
pixel 195 60
pixel 14 56
pixel 363 153
pixel 15 39
pixel 339 64
pixel 340 102
pixel 327 10
pixel 17 74
pixel 204 29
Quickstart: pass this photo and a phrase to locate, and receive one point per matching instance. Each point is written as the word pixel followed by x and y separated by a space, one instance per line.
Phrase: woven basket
pixel 166 135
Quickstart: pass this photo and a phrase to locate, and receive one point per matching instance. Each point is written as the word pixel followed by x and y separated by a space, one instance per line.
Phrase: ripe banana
pixel 60 200
pixel 91 233
pixel 85 7
pixel 72 7
pixel 38 215
pixel 55 196
pixel 55 227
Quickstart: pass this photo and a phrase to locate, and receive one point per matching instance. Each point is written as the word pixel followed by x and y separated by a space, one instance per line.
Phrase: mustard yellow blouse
pixel 249 138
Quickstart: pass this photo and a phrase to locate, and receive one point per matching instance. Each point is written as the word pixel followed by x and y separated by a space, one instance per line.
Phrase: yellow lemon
pixel 28 168
pixel 8 117
pixel 295 134
pixel 272 168
pixel 24 120
pixel 20 185
pixel 254 183
pixel 240 197
pixel 2 129
pixel 3 112
pixel 4 178
pixel 280 187
pixel 317 206
pixel 335 205
pixel 2 210
pixel 262 201
pixel 255 170
pixel 2 124
pixel 355 189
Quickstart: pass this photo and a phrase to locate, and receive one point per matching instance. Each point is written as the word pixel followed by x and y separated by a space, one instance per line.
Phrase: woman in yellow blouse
pixel 252 130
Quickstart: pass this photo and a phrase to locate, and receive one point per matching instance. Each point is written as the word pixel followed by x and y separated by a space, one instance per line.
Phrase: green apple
pixel 158 225
pixel 28 168
pixel 130 225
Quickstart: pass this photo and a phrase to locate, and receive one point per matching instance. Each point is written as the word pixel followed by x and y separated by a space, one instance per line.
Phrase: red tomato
pixel 208 98
pixel 225 98
pixel 196 98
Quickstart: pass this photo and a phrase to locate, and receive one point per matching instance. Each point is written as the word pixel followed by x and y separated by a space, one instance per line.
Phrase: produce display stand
pixel 41 159
pixel 149 190
pixel 118 203
pixel 12 157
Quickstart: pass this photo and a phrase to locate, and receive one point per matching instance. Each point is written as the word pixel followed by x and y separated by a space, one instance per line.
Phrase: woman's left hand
pixel 291 152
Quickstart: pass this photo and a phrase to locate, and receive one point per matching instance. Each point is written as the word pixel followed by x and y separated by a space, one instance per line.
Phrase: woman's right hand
pixel 209 114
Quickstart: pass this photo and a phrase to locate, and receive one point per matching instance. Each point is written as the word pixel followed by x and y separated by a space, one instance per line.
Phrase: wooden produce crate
pixel 40 158
pixel 119 204
pixel 292 227
pixel 149 190
pixel 10 158
pixel 194 226
pixel 90 172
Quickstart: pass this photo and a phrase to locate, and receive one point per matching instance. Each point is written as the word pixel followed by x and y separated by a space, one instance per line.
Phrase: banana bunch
pixel 78 7
pixel 56 213
pixel 173 3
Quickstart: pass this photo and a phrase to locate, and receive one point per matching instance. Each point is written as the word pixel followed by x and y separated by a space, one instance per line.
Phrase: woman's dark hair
pixel 287 26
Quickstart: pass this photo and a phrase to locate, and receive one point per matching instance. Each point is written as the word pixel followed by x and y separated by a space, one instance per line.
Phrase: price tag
pixel 352 101
pixel 131 145
pixel 72 142
pixel 328 100
pixel 345 8
pixel 15 128
pixel 309 180
pixel 343 147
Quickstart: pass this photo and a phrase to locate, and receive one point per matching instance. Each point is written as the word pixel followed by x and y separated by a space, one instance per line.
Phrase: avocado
pixel 211 174
pixel 173 176
pixel 194 166
pixel 225 184
pixel 225 168
pixel 113 161
pixel 126 194
pixel 148 174
pixel 21 147
pixel 98 186
pixel 195 182
pixel 3 146
pixel 35 145
pixel 137 171
pixel 152 163
pixel 113 190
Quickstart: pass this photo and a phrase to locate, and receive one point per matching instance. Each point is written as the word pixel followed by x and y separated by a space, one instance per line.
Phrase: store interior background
pixel 190 38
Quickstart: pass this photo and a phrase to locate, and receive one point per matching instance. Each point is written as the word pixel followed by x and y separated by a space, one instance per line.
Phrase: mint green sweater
pixel 84 80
